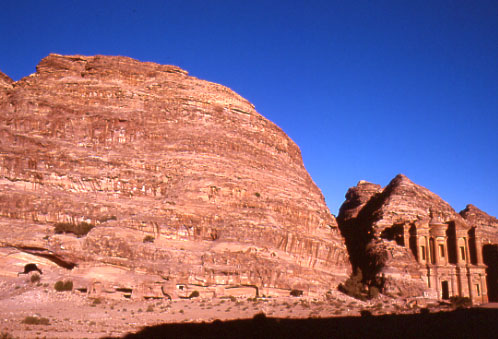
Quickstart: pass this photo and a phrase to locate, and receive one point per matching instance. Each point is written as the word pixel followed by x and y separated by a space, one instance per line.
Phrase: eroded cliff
pixel 180 178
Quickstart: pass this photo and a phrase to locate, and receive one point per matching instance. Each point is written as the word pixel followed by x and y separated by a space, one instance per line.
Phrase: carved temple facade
pixel 450 258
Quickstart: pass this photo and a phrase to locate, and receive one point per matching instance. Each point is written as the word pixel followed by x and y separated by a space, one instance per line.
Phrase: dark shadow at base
pixel 466 323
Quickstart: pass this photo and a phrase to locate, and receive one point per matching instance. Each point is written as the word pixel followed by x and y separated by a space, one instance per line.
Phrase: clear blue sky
pixel 367 89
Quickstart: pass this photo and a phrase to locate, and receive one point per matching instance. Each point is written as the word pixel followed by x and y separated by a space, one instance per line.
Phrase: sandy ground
pixel 74 315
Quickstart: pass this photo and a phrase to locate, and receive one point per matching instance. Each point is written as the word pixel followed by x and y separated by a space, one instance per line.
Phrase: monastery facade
pixel 450 258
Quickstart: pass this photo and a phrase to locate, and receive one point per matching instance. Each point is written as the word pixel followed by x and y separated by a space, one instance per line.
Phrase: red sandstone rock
pixel 412 242
pixel 5 80
pixel 487 224
pixel 142 152
pixel 5 84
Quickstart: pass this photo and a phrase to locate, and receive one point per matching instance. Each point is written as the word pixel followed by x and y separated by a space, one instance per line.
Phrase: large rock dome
pixel 178 180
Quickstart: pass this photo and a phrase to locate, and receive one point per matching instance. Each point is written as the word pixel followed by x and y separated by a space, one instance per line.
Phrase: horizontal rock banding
pixel 144 149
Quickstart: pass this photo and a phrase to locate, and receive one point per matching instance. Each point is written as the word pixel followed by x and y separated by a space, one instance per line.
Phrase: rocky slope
pixel 183 182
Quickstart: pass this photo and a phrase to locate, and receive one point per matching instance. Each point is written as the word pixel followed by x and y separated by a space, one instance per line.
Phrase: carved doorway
pixel 445 290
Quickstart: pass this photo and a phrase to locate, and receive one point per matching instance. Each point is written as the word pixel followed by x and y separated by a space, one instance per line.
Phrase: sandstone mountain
pixel 179 181
pixel 405 238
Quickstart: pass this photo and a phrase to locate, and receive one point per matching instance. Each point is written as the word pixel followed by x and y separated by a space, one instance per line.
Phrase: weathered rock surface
pixel 488 232
pixel 5 84
pixel 380 224
pixel 143 151
pixel 367 212
pixel 487 224
pixel 5 81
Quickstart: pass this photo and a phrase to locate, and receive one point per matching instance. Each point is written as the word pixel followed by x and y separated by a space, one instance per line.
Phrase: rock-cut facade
pixel 412 243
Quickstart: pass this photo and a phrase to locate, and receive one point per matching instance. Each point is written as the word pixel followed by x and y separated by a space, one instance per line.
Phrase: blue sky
pixel 367 89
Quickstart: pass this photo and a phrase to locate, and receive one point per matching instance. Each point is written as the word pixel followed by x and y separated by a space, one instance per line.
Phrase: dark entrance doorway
pixel 445 290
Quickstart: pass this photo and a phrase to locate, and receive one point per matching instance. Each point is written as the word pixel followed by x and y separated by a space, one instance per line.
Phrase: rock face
pixel 5 85
pixel 410 242
pixel 370 210
pixel 183 182
pixel 487 224
pixel 488 227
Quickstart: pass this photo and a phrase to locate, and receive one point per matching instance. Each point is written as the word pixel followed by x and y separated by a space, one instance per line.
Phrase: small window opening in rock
pixel 462 252
pixel 127 296
pixel 422 252
pixel 394 233
pixel 82 290
pixel 441 251
pixel 478 290
pixel 124 290
pixel 296 293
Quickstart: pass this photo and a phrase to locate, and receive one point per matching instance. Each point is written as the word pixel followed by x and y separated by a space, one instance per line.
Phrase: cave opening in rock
pixel 394 233
pixel 126 292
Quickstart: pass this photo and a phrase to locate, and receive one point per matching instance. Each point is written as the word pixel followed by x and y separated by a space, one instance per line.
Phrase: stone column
pixel 446 253
pixel 460 277
pixel 417 252
pixel 453 283
pixel 478 249
pixel 484 288
pixel 427 253
pixel 467 252
pixel 460 240
pixel 435 250
pixel 471 289
pixel 469 272
pixel 406 235
pixel 462 257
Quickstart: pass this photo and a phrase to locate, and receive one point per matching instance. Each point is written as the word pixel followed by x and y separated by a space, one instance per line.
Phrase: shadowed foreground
pixel 468 323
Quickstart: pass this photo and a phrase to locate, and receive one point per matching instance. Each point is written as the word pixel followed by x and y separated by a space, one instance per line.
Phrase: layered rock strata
pixel 180 178
pixel 410 242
